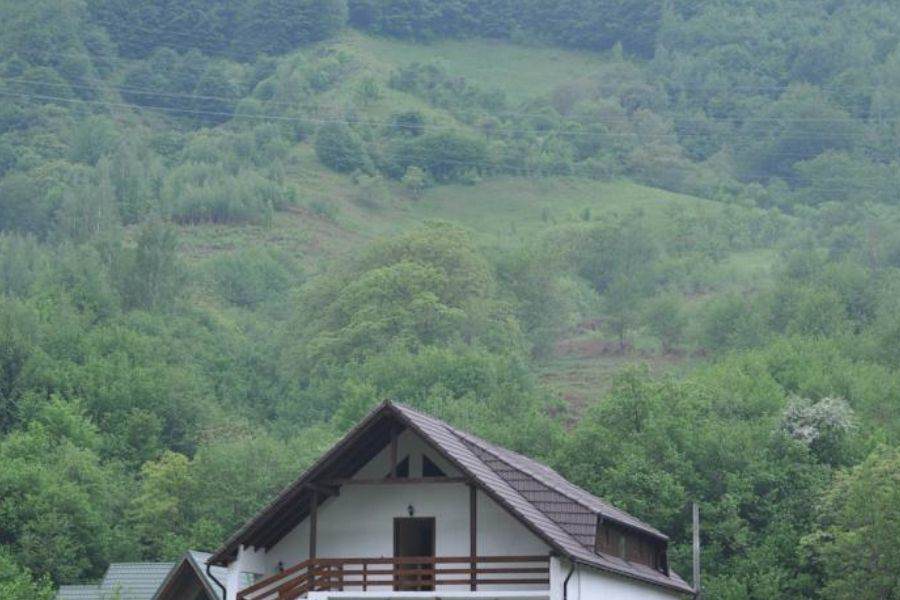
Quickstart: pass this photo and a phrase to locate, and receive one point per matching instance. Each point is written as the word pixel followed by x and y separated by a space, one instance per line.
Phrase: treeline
pixel 700 117
pixel 244 29
pixel 239 29
pixel 590 24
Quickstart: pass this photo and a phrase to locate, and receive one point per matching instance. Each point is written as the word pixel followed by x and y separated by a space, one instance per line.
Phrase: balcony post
pixel 473 536
pixel 393 452
pixel 313 523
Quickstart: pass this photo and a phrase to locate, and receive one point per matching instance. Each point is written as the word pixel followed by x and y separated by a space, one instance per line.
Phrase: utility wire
pixel 262 118
pixel 604 121
pixel 482 164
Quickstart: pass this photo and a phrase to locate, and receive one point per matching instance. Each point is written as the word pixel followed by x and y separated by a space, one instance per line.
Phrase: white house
pixel 406 506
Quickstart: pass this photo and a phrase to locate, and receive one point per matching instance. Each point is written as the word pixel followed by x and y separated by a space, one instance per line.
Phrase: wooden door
pixel 414 537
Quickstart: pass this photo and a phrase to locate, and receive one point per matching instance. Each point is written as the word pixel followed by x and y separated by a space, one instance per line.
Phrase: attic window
pixel 429 469
pixel 402 469
pixel 616 540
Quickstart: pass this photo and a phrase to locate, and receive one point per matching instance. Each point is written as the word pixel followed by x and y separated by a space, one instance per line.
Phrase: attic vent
pixel 429 469
pixel 402 469
pixel 615 540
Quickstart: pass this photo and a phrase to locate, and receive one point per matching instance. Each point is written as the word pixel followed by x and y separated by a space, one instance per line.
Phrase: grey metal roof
pixel 79 592
pixel 134 581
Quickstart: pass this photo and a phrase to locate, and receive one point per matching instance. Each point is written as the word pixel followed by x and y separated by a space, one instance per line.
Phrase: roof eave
pixel 229 548
pixel 677 586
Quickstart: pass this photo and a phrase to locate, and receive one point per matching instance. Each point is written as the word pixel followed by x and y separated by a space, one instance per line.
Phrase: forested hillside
pixel 655 244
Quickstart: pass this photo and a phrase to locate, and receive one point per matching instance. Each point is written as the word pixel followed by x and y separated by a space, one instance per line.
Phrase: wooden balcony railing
pixel 401 574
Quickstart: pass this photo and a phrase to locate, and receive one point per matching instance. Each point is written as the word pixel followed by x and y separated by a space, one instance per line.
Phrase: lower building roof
pixel 141 580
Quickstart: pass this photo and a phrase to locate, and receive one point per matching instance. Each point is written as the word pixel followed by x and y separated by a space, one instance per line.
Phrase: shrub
pixel 446 155
pixel 415 181
pixel 340 149
pixel 201 193
pixel 370 191
pixel 250 277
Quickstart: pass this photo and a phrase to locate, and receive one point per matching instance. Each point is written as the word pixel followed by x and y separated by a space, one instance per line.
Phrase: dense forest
pixel 654 244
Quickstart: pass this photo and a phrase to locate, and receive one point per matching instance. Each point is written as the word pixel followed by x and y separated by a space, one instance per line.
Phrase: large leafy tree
pixel 665 444
pixel 59 501
pixel 428 286
pixel 593 24
pixel 855 546
pixel 17 583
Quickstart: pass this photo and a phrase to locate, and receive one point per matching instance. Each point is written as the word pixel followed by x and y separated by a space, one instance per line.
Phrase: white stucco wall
pixel 593 584
pixel 360 521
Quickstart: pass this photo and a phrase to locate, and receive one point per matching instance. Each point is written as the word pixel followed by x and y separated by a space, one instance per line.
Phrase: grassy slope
pixel 500 211
pixel 522 72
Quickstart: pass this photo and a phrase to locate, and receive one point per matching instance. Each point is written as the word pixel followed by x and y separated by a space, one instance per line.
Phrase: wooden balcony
pixel 403 574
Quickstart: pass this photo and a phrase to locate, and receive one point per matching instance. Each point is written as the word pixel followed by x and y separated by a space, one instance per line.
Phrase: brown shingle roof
pixel 560 512
pixel 557 511
pixel 543 477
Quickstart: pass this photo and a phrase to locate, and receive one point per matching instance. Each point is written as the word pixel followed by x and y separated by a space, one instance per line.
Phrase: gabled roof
pixel 193 564
pixel 134 581
pixel 557 511
pixel 199 561
pixel 122 581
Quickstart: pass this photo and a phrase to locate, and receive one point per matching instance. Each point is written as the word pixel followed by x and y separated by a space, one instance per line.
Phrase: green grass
pixel 511 209
pixel 503 211
pixel 521 71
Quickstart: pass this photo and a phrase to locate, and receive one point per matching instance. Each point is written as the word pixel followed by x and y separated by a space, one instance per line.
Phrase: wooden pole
pixel 473 536
pixel 696 580
pixel 393 453
pixel 313 523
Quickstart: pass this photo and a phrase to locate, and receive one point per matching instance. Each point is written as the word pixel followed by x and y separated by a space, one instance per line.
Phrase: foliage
pixel 242 29
pixel 598 24
pixel 854 547
pixel 171 172
pixel 340 148
pixel 665 318
pixel 425 287
pixel 250 277
pixel 57 495
pixel 415 181
pixel 446 155
pixel 655 437
pixel 17 584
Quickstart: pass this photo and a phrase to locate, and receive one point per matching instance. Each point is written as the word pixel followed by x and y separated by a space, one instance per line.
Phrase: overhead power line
pixel 355 122
pixel 139 91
